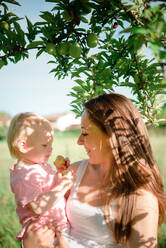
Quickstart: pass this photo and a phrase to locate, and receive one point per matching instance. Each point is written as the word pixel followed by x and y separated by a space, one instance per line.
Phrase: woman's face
pixel 94 140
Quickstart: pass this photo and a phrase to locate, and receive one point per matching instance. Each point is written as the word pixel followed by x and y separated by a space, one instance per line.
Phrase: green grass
pixel 65 143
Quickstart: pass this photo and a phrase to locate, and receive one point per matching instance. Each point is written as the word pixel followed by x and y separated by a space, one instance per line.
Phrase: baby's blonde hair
pixel 20 127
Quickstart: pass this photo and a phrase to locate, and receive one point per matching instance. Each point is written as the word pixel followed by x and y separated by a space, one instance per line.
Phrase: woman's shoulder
pixel 146 200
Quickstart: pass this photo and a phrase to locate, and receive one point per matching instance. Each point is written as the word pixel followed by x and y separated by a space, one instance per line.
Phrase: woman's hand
pixel 62 242
pixel 42 238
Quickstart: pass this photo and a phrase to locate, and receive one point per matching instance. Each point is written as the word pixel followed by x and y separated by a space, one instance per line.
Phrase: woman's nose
pixel 80 140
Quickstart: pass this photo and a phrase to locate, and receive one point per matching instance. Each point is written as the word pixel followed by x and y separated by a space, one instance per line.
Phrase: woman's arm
pixel 145 222
pixel 42 238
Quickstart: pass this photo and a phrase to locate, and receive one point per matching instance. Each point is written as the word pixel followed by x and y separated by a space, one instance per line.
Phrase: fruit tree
pixel 99 44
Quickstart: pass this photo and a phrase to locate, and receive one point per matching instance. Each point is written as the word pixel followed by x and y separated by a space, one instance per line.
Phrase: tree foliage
pixel 100 44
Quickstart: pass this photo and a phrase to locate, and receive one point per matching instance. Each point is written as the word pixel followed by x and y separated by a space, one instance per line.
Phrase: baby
pixel 30 138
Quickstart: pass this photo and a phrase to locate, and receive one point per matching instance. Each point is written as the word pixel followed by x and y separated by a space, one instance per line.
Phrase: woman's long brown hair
pixel 134 164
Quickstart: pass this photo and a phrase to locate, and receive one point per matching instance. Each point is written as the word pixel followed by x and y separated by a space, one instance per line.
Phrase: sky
pixel 27 85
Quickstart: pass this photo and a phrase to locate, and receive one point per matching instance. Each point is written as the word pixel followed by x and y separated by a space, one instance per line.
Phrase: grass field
pixel 65 144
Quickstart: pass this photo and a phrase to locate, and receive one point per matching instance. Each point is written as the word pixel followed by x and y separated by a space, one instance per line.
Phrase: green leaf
pixel 121 23
pixel 81 30
pixel 160 86
pixel 136 41
pixel 83 19
pixel 80 82
pixel 30 25
pixel 133 7
pixel 53 70
pixel 39 53
pixel 34 44
pixel 77 89
pixel 163 81
pixel 77 112
pixel 47 16
pixel 162 55
pixel 79 70
pixel 82 69
pixel 155 46
pixel 76 107
pixel 12 2
pixel 40 23
pixel 140 30
pixel 87 74
pixel 51 62
pixel 17 58
pixel 19 32
pixel 72 94
pixel 56 8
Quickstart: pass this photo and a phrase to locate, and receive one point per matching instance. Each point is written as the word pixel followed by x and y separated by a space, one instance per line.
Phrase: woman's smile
pixel 94 140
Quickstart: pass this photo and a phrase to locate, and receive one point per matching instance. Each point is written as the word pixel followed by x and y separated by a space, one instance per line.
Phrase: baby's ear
pixel 22 146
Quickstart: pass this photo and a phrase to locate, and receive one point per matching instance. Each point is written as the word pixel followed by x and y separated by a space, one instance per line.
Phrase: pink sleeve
pixel 27 186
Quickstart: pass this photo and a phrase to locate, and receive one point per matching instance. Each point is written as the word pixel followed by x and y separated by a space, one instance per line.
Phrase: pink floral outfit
pixel 28 182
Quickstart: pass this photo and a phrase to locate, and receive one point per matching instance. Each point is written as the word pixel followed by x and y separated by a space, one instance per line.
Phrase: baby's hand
pixel 64 183
pixel 62 164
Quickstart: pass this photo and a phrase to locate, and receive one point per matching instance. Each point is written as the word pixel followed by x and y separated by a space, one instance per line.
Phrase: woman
pixel 117 199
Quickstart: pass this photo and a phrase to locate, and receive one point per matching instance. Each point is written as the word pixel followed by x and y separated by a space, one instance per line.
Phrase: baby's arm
pixel 51 208
pixel 47 200
pixel 64 182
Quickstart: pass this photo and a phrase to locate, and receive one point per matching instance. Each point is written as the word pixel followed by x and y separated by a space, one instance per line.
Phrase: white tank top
pixel 88 226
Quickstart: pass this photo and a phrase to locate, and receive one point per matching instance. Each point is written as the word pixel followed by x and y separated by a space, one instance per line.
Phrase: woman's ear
pixel 22 146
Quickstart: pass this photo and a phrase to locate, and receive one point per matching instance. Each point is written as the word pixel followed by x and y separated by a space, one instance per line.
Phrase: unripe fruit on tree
pixel 5 25
pixel 63 48
pixel 60 161
pixel 75 50
pixel 92 40
pixel 50 48
pixel 2 63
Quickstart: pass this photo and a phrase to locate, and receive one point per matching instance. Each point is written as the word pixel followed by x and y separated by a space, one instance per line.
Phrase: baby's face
pixel 39 145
